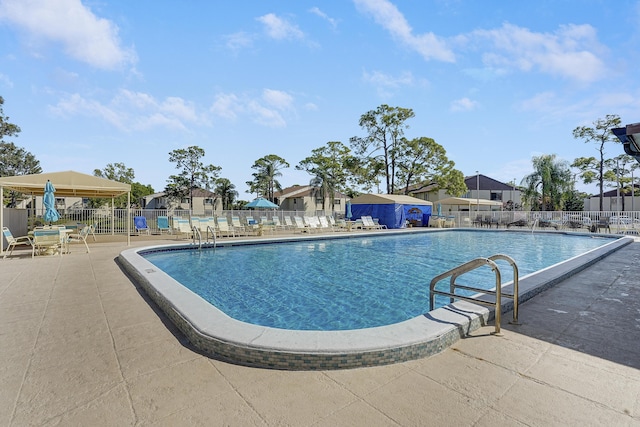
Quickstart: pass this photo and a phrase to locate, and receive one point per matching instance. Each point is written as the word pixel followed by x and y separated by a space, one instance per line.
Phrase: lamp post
pixel 477 192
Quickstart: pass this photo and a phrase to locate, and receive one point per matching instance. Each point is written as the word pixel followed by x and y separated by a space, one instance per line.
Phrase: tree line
pixel 382 156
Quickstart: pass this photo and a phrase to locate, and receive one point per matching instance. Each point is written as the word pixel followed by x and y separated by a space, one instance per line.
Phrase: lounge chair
pixel 175 226
pixel 277 225
pixel 163 224
pixel 267 224
pixel 80 236
pixel 288 223
pixel 183 229
pixel 324 223
pixel 238 228
pixel 224 228
pixel 46 241
pixel 140 223
pixel 195 222
pixel 368 224
pixel 300 224
pixel 312 223
pixel 12 242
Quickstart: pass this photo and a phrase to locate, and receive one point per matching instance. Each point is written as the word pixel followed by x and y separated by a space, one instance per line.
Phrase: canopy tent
pixel 392 210
pixel 461 201
pixel 68 184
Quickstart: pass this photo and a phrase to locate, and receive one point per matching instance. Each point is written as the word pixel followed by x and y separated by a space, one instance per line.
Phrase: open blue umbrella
pixel 50 213
pixel 261 202
pixel 348 215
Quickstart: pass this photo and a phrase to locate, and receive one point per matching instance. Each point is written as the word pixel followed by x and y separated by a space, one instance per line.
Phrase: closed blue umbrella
pixel 50 213
pixel 439 209
pixel 348 214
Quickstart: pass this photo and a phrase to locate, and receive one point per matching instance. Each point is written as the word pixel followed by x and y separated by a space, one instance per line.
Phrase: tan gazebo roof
pixel 67 184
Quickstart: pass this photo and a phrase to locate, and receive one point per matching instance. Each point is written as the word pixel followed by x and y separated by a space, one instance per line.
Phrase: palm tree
pixel 264 180
pixel 227 192
pixel 546 188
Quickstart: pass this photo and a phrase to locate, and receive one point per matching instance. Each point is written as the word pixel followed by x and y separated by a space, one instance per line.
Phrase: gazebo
pixel 68 184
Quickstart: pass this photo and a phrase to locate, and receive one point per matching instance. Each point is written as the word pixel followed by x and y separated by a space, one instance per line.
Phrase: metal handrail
pixel 456 272
pixel 213 233
pixel 516 275
pixel 196 231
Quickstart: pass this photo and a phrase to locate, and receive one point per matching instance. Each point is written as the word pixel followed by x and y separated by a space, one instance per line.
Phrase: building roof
pixel 300 191
pixel 67 184
pixel 389 199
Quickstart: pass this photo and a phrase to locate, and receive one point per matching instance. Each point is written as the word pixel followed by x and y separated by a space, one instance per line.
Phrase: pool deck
pixel 81 345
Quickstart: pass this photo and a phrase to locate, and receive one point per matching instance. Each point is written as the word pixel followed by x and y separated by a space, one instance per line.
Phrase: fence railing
pixel 107 221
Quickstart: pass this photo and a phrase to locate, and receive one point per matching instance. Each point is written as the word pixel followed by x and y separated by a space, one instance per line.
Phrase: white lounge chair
pixel 300 224
pixel 224 228
pixel 324 223
pixel 12 242
pixel 238 228
pixel 288 223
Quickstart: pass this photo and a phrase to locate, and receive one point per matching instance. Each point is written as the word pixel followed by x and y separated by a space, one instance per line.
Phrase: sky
pixel 496 83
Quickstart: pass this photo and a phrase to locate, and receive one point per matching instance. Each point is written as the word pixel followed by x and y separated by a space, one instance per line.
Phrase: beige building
pixel 479 187
pixel 205 202
pixel 307 199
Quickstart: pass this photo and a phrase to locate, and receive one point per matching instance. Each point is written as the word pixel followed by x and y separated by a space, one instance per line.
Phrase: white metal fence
pixel 115 222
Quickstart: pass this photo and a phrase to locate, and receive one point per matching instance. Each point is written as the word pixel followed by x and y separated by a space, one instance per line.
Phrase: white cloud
pixel 572 51
pixel 321 14
pixel 463 104
pixel 279 28
pixel 386 84
pixel 277 99
pixel 133 111
pixel 387 15
pixel 83 35
pixel 6 81
pixel 227 106
pixel 239 40
pixel 266 110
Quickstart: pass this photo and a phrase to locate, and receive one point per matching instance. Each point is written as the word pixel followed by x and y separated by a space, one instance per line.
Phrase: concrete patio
pixel 81 345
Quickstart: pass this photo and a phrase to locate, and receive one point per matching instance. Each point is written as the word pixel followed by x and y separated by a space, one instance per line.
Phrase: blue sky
pixel 494 82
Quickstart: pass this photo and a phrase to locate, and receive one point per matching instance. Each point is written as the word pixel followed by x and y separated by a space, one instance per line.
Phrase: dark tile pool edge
pixel 219 336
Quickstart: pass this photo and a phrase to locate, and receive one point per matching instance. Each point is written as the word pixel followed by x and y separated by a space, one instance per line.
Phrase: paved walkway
pixel 80 345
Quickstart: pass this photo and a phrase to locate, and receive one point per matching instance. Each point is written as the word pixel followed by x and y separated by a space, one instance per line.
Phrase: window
pixel 336 201
pixel 496 196
pixel 208 201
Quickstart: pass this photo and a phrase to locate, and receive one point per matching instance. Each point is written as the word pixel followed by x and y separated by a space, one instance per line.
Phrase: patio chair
pixel 47 241
pixel 163 224
pixel 80 236
pixel 140 223
pixel 12 242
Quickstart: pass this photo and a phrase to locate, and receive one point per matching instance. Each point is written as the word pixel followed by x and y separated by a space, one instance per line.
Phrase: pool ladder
pixel 456 272
pixel 197 235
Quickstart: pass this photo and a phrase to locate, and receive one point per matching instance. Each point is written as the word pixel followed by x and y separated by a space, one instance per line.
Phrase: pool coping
pixel 217 335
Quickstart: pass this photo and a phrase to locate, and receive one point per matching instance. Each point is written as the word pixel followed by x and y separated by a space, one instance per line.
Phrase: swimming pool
pixel 346 284
pixel 215 333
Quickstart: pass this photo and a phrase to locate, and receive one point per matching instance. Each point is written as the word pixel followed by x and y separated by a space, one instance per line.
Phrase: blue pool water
pixel 354 283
